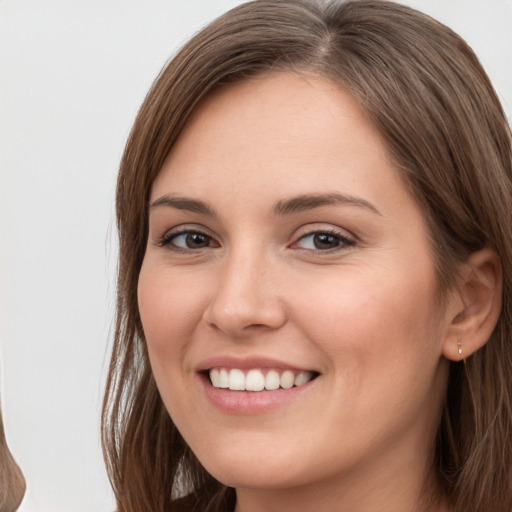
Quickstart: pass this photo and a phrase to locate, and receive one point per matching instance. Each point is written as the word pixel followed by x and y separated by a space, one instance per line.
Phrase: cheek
pixel 373 326
pixel 170 309
pixel 169 306
pixel 381 339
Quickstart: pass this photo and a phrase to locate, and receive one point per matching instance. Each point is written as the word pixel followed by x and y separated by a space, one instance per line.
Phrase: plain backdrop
pixel 72 75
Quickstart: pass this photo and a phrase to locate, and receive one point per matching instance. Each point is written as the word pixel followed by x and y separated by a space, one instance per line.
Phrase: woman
pixel 314 209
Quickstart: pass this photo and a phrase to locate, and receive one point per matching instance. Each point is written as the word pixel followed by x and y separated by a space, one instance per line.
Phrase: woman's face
pixel 284 247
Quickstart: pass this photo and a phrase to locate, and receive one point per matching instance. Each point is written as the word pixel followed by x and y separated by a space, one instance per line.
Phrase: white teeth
pixel 287 379
pixel 215 378
pixel 272 380
pixel 302 378
pixel 223 379
pixel 236 380
pixel 256 380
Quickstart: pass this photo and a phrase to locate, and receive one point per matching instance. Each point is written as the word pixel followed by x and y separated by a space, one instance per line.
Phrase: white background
pixel 72 75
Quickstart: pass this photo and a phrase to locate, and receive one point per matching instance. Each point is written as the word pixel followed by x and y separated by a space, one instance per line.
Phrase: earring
pixel 459 344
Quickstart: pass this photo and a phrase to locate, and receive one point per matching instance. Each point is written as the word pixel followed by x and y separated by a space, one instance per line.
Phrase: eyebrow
pixel 184 203
pixel 290 206
pixel 309 201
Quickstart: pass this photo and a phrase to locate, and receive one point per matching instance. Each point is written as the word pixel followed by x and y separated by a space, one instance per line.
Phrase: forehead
pixel 290 132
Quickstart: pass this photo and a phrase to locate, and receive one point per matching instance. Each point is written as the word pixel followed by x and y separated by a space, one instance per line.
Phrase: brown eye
pixel 197 240
pixel 189 240
pixel 324 241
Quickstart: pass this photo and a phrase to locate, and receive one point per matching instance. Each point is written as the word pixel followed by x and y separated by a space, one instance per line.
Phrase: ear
pixel 475 306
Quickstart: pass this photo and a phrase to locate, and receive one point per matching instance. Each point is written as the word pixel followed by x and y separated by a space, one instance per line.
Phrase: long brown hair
pixel 425 90
pixel 12 483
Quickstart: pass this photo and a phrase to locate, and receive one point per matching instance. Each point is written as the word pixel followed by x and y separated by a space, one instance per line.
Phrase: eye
pixel 323 241
pixel 188 240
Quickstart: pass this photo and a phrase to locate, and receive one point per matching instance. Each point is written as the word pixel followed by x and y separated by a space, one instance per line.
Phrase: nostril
pixel 244 320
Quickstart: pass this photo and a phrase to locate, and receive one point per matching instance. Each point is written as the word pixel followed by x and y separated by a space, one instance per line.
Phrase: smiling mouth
pixel 257 379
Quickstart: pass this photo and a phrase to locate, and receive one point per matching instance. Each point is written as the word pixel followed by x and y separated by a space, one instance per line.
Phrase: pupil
pixel 195 240
pixel 325 241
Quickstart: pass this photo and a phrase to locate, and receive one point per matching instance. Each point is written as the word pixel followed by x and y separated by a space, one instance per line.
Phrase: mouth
pixel 255 385
pixel 258 379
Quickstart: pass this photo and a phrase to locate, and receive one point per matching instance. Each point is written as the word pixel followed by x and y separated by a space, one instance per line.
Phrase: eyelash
pixel 342 241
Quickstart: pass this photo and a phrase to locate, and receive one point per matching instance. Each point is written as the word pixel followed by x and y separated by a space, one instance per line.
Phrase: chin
pixel 255 475
pixel 267 464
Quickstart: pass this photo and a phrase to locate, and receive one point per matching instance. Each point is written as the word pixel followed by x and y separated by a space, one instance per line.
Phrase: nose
pixel 247 298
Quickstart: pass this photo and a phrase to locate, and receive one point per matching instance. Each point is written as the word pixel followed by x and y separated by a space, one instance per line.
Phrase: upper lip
pixel 246 363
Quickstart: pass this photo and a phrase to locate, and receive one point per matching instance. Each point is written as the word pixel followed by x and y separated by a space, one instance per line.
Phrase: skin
pixel 363 313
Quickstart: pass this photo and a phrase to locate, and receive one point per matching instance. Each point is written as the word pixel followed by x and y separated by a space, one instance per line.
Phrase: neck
pixel 294 500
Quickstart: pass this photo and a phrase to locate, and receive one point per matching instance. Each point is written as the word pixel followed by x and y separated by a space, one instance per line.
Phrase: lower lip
pixel 251 402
